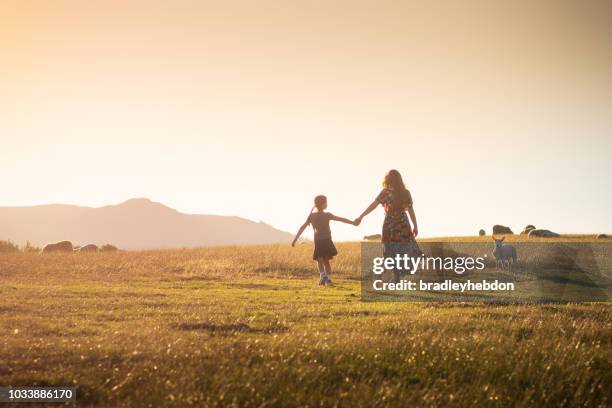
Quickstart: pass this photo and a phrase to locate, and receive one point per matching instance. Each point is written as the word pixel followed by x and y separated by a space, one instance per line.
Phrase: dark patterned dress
pixel 396 227
pixel 397 238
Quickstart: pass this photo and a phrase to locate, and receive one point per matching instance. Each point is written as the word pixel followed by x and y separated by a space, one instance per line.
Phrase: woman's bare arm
pixel 411 213
pixel 368 210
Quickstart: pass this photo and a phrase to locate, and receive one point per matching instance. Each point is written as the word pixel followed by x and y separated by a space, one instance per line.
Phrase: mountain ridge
pixel 137 223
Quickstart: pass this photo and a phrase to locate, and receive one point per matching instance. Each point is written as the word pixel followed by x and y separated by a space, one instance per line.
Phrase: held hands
pixel 357 221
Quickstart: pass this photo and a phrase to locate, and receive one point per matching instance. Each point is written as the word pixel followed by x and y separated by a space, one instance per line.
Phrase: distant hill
pixel 135 224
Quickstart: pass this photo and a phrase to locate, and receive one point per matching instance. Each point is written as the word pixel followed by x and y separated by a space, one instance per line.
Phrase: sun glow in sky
pixel 494 112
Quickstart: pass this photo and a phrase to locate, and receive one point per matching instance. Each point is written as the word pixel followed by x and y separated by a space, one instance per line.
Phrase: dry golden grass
pixel 248 326
pixel 522 238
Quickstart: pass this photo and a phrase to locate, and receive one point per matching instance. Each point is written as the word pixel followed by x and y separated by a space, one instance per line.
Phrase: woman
pixel 397 235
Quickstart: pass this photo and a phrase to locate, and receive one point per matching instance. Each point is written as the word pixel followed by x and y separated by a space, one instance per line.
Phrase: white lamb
pixel 503 253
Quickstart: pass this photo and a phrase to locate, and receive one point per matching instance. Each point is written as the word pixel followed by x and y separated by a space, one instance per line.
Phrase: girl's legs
pixel 328 270
pixel 321 265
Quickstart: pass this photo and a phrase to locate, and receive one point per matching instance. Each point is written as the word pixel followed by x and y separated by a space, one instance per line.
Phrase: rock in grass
pixel 601 236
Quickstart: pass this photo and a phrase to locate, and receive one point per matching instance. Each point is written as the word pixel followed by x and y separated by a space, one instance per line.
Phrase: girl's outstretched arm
pixel 300 231
pixel 368 210
pixel 344 220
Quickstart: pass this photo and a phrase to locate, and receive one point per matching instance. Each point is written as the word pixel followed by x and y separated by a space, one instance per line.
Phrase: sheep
pixel 502 229
pixel 542 233
pixel 503 253
pixel 62 246
pixel 88 248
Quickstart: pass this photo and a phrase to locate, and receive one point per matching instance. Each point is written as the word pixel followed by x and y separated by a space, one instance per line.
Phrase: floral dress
pixel 396 227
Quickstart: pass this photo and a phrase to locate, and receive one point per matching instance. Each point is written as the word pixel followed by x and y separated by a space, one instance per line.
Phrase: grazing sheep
pixel 62 246
pixel 503 253
pixel 527 229
pixel 375 237
pixel 108 248
pixel 542 233
pixel 88 248
pixel 502 229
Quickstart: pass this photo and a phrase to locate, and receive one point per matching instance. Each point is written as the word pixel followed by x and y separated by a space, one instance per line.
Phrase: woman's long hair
pixel 393 181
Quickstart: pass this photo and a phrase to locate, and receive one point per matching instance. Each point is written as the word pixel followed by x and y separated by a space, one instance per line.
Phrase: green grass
pixel 248 326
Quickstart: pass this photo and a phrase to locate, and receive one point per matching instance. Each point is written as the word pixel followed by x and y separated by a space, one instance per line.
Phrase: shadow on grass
pixel 226 329
pixel 259 286
pixel 196 278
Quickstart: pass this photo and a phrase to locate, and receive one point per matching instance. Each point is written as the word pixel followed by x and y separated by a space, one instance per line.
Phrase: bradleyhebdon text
pixel 447 285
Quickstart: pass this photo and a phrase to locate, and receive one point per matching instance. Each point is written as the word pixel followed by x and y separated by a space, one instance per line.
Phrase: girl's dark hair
pixel 393 181
pixel 319 202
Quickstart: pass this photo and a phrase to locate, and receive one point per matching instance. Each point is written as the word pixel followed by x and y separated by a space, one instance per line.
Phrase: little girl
pixel 324 249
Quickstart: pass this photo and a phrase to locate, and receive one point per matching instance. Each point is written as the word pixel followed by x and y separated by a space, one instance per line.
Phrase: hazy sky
pixel 494 112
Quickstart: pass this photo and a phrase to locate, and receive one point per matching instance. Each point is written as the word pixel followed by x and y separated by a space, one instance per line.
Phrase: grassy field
pixel 511 238
pixel 248 326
